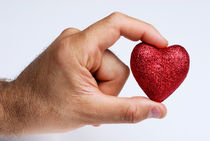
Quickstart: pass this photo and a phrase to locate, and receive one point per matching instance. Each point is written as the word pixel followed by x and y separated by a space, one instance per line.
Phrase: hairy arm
pixel 23 101
pixel 5 91
pixel 20 110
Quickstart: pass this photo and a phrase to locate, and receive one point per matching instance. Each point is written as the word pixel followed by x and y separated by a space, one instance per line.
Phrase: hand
pixel 75 81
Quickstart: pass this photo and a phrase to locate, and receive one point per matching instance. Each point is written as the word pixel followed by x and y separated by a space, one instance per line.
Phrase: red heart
pixel 159 72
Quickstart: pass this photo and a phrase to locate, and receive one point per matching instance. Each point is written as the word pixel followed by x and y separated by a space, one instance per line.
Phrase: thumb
pixel 110 109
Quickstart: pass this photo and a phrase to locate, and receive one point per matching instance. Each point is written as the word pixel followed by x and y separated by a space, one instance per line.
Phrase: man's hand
pixel 75 82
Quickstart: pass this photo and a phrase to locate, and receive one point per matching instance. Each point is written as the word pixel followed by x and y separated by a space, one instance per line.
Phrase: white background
pixel 28 27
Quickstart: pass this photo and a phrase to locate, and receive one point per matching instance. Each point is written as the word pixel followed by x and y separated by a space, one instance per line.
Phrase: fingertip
pixel 158 110
pixel 154 37
pixel 163 111
pixel 154 109
pixel 156 40
pixel 163 43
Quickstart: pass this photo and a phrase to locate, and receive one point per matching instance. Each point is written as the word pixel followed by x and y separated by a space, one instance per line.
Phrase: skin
pixel 76 80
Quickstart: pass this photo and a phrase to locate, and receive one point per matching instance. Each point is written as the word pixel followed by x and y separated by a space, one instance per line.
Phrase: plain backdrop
pixel 28 27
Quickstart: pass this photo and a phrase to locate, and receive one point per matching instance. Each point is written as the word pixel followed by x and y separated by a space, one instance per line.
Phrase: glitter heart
pixel 159 72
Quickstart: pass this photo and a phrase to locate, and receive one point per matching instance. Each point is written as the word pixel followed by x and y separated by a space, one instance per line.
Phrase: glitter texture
pixel 159 72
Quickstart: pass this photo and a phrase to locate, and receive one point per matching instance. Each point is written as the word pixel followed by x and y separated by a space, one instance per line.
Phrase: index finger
pixel 107 31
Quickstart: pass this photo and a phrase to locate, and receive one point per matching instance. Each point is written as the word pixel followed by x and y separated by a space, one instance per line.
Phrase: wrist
pixel 1 106
pixel 5 122
pixel 14 108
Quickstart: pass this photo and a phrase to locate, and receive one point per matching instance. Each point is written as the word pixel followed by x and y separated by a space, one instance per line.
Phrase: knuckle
pixel 150 25
pixel 115 15
pixel 126 71
pixel 63 44
pixel 90 48
pixel 94 57
pixel 62 50
pixel 92 51
pixel 131 114
pixel 70 30
pixel 123 72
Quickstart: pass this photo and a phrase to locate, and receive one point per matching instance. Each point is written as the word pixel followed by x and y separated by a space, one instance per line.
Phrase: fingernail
pixel 155 113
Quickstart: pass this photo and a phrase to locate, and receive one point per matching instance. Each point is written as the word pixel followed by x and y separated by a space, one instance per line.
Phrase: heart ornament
pixel 159 72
